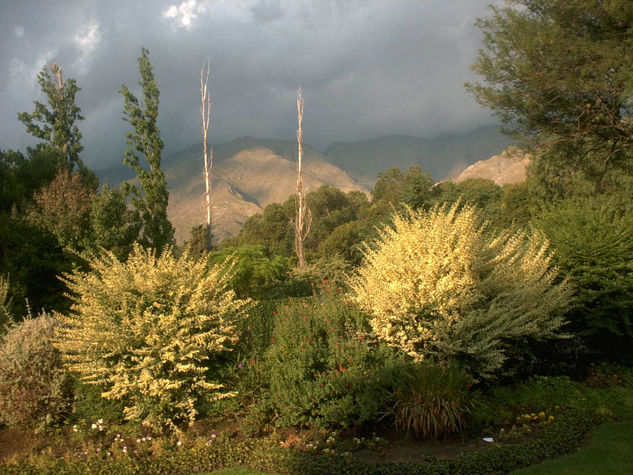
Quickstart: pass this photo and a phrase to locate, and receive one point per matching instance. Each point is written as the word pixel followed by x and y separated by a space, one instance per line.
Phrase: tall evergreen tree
pixel 151 201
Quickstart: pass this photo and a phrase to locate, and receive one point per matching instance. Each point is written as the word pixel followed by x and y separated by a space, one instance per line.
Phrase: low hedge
pixel 557 439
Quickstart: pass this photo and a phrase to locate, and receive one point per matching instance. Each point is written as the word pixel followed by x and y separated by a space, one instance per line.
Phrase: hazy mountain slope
pixel 250 173
pixel 443 156
pixel 243 184
pixel 510 166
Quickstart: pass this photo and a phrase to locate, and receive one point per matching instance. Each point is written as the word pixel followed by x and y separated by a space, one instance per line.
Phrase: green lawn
pixel 610 452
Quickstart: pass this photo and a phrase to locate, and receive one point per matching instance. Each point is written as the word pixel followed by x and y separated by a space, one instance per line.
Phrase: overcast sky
pixel 367 67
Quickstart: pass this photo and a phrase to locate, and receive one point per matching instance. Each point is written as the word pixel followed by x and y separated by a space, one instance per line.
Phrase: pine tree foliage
pixel 438 284
pixel 142 115
pixel 151 329
pixel 558 74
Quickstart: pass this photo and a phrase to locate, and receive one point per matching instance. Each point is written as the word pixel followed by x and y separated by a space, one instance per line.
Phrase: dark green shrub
pixel 332 269
pixel 35 391
pixel 257 330
pixel 256 273
pixel 593 242
pixel 322 369
pixel 90 406
pixel 434 403
pixel 542 393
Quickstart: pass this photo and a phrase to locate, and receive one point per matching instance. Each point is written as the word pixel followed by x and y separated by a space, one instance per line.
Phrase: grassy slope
pixel 610 451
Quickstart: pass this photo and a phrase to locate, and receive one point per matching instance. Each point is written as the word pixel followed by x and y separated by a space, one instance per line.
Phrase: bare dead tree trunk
pixel 57 71
pixel 205 112
pixel 302 217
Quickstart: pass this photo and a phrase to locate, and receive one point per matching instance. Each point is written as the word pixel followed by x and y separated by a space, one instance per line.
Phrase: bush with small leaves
pixel 153 330
pixel 35 391
pixel 593 239
pixel 439 284
pixel 321 367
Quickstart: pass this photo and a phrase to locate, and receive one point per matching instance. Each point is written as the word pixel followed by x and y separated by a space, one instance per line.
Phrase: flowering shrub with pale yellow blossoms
pixel 437 283
pixel 150 329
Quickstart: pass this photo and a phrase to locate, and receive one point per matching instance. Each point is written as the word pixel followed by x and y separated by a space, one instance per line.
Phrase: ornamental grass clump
pixel 151 330
pixel 435 401
pixel 439 284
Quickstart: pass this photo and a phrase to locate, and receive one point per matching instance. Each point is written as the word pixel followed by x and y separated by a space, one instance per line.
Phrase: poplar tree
pixel 151 201
pixel 56 123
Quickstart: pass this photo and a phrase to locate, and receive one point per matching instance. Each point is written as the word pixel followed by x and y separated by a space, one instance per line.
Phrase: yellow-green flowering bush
pixel 437 283
pixel 151 330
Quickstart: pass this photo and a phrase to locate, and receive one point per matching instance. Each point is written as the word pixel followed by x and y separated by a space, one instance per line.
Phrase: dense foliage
pixel 35 389
pixel 557 74
pixel 151 329
pixel 434 402
pixel 437 284
pixel 593 240
pixel 430 280
pixel 321 367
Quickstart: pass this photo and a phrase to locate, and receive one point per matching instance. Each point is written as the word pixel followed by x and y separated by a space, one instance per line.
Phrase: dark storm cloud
pixel 367 68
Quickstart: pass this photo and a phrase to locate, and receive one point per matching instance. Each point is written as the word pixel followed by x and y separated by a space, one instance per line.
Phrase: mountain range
pixel 249 173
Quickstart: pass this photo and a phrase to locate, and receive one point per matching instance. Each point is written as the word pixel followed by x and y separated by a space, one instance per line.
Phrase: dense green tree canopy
pixel 114 226
pixel 559 75
pixel 593 242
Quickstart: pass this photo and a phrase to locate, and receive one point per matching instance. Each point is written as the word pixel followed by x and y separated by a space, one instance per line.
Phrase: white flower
pixel 94 426
pixel 178 443
pixel 100 421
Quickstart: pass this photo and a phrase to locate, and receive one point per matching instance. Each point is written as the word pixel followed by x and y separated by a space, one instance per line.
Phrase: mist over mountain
pixel 444 156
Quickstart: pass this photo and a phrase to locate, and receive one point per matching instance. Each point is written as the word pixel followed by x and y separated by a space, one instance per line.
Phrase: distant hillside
pixel 246 178
pixel 443 157
pixel 510 166
pixel 250 173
